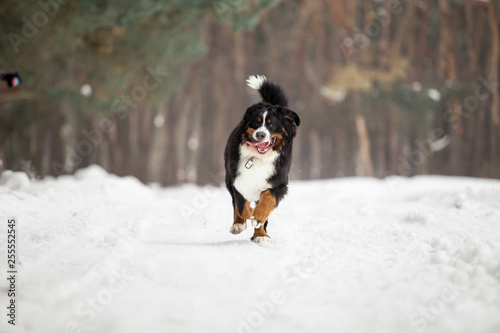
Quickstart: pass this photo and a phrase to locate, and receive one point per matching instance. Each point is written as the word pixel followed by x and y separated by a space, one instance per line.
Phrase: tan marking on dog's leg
pixel 260 235
pixel 247 211
pixel 264 207
pixel 238 224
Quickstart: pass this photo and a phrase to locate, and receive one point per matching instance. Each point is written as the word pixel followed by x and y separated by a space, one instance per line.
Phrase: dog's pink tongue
pixel 261 145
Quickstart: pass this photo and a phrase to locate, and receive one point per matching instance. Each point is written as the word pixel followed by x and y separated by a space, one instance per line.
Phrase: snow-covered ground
pixel 100 253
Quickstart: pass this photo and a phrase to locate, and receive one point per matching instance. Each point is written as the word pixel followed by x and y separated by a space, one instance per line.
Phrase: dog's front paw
pixel 256 224
pixel 261 239
pixel 237 228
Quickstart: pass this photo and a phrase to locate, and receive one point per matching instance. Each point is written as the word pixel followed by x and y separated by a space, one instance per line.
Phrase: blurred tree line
pixel 153 88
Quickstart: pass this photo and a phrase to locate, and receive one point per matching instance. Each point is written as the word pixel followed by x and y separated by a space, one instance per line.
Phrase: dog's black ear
pixel 247 115
pixel 292 116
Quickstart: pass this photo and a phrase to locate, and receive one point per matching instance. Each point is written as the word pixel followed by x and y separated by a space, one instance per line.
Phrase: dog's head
pixel 268 127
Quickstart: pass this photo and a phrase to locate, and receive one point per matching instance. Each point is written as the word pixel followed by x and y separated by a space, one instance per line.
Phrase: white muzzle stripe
pixel 263 129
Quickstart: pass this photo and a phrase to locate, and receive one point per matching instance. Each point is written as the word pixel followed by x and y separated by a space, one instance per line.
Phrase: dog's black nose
pixel 260 136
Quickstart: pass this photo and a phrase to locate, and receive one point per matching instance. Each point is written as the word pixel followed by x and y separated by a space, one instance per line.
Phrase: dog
pixel 258 156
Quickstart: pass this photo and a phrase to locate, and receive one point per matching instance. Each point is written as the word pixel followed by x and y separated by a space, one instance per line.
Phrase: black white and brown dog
pixel 258 156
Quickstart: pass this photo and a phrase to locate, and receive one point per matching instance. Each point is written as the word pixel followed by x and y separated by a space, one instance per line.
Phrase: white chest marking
pixel 251 182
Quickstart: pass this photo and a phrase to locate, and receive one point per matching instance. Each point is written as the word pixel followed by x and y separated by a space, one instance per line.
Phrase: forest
pixel 154 88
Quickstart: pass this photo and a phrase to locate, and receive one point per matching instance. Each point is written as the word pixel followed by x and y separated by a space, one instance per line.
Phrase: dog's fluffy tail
pixel 270 92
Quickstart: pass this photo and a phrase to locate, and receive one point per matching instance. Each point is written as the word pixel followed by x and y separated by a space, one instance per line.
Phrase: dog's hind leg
pixel 260 235
pixel 265 206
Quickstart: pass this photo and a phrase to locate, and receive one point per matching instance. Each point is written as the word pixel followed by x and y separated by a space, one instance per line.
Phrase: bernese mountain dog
pixel 258 156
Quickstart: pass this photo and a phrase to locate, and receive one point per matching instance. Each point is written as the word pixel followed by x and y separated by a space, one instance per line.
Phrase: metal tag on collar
pixel 249 164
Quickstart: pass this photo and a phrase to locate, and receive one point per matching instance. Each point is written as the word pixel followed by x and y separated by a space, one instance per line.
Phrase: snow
pixel 101 253
pixel 417 86
pixel 434 94
pixel 14 179
pixel 86 90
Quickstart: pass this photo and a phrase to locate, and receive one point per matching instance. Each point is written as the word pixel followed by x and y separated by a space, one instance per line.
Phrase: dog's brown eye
pixel 269 121
pixel 259 120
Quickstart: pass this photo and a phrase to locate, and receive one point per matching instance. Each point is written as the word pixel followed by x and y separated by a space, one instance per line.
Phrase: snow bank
pixel 14 180
pixel 100 253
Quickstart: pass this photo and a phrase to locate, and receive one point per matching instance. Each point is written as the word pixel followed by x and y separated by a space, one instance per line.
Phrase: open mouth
pixel 263 146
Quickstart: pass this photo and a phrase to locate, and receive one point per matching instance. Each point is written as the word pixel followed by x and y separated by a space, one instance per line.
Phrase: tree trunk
pixel 364 139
